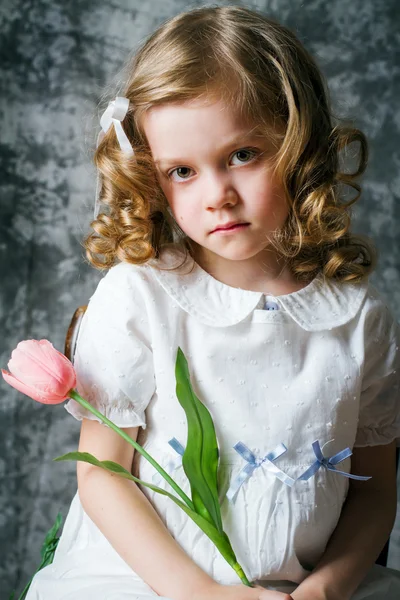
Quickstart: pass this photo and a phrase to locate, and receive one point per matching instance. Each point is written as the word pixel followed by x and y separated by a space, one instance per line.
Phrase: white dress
pixel 322 368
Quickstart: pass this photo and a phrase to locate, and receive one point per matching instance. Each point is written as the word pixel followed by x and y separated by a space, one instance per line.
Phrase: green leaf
pixel 47 553
pixel 112 467
pixel 51 537
pixel 220 539
pixel 200 459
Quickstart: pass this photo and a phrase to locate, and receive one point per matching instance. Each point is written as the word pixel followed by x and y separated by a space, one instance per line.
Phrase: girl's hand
pixel 216 591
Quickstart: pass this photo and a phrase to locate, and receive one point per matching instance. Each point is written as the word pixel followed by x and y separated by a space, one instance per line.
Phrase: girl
pixel 225 232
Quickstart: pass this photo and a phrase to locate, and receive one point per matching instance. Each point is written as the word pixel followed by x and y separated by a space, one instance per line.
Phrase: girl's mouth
pixel 232 229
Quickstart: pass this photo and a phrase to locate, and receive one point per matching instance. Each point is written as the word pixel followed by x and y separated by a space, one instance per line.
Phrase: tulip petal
pixel 25 364
pixel 43 370
pixel 40 364
pixel 63 369
pixel 30 391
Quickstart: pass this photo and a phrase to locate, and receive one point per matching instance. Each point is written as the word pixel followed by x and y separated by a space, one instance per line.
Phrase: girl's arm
pixel 128 520
pixel 364 526
pixel 132 526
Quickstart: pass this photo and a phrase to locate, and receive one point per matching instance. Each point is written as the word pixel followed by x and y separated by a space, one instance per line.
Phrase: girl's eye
pixel 181 172
pixel 244 155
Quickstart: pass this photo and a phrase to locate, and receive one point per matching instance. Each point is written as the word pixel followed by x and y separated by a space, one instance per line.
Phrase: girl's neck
pixel 265 272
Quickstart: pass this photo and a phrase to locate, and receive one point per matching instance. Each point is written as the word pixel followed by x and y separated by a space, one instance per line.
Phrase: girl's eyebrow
pixel 239 139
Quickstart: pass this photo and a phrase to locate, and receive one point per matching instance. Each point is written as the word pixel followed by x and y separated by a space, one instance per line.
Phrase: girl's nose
pixel 219 191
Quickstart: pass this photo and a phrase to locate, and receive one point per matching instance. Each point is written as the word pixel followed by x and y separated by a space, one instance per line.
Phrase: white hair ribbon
pixel 114 114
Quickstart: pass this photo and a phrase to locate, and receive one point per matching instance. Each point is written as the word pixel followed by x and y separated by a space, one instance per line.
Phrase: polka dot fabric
pixel 320 364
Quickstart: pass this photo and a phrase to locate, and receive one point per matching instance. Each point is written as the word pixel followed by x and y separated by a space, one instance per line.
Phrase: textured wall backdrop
pixel 57 58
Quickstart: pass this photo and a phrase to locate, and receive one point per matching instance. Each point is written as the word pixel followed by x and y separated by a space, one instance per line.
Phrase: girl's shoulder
pixel 325 303
pixel 376 313
pixel 138 283
pixel 365 311
pixel 123 273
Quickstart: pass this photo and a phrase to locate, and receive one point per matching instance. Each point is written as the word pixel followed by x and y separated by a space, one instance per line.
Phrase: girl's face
pixel 214 168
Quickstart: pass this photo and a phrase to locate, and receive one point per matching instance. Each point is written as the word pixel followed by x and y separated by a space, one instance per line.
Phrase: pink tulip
pixel 40 371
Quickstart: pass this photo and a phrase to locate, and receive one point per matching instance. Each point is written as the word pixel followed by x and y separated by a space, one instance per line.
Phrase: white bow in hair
pixel 114 114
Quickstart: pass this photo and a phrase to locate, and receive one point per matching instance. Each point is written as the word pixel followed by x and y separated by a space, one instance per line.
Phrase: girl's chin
pixel 234 253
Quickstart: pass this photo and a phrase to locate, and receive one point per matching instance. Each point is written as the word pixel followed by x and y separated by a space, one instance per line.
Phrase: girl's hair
pixel 262 70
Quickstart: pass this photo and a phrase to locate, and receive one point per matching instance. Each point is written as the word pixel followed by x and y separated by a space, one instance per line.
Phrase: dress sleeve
pixel 113 359
pixel 379 416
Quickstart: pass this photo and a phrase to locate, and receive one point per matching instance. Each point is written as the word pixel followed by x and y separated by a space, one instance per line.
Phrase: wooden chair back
pixel 72 333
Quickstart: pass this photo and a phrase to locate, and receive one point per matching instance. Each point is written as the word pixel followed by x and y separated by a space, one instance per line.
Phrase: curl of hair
pixel 261 70
pixel 316 236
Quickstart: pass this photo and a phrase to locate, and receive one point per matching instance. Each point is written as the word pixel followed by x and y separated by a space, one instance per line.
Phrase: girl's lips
pixel 231 229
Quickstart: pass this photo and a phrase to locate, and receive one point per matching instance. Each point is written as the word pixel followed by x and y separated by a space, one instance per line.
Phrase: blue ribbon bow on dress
pixel 329 463
pixel 267 461
pixel 173 463
pixel 254 463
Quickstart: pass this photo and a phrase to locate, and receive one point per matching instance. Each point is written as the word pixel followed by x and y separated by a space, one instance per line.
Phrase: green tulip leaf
pixel 51 539
pixel 107 465
pixel 47 553
pixel 219 538
pixel 200 459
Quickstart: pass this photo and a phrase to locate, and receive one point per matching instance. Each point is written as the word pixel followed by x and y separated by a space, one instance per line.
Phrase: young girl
pixel 225 232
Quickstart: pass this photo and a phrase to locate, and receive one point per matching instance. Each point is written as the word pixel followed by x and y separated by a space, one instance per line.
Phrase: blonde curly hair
pixel 262 70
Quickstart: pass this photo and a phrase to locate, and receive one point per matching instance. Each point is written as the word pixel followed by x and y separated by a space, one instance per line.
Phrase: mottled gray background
pixel 57 59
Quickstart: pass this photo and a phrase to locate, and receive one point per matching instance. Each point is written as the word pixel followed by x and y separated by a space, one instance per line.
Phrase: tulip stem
pixel 242 575
pixel 85 404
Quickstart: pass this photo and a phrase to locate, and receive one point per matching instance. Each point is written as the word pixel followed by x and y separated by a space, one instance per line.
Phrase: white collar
pixel 322 304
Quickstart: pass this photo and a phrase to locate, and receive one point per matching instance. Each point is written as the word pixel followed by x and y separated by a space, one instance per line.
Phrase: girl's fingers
pixel 272 595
